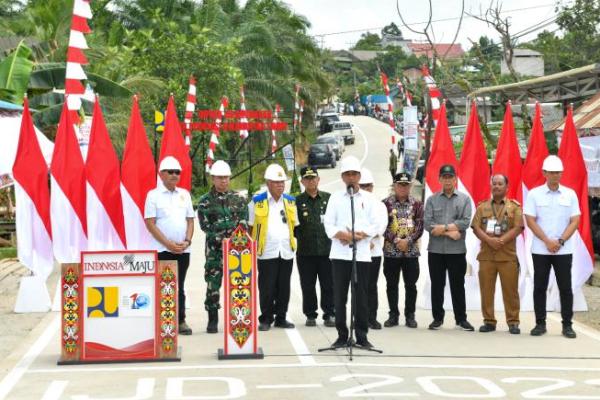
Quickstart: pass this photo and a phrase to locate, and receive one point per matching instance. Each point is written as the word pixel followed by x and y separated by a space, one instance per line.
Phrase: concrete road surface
pixel 416 363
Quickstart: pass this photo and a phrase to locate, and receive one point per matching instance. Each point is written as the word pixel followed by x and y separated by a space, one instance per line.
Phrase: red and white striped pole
pixel 296 106
pixel 190 107
pixel 273 136
pixel 300 115
pixel 386 88
pixel 244 120
pixel 216 132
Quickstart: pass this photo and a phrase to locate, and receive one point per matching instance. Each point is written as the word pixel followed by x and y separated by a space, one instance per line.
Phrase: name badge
pixel 491 226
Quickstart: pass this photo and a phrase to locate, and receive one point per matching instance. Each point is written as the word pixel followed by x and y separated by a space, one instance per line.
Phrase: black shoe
pixel 340 342
pixel 391 321
pixel 465 326
pixel 364 343
pixel 311 322
pixel 329 322
pixel 514 330
pixel 285 324
pixel 263 327
pixel 213 321
pixel 374 324
pixel 411 322
pixel 184 329
pixel 568 332
pixel 539 330
pixel 435 325
pixel 487 328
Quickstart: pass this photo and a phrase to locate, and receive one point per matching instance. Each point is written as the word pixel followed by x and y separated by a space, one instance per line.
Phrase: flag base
pixel 259 355
pixel 177 358
pixel 33 295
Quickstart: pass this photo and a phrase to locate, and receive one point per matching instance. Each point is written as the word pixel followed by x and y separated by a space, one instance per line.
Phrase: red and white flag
pixel 244 117
pixel 434 94
pixel 190 107
pixel 106 225
pixel 30 173
pixel 68 194
pixel 508 157
pixel 404 92
pixel 173 145
pixel 138 177
pixel 214 137
pixel 273 134
pixel 74 89
pixel 390 105
pixel 575 177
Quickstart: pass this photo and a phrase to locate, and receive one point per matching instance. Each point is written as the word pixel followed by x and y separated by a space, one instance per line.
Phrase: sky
pixel 329 16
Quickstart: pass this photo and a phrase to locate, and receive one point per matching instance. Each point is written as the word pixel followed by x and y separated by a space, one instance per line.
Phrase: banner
pixel 410 128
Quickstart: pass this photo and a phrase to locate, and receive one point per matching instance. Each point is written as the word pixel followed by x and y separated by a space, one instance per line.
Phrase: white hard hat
pixel 220 168
pixel 349 163
pixel 553 164
pixel 275 172
pixel 169 162
pixel 366 177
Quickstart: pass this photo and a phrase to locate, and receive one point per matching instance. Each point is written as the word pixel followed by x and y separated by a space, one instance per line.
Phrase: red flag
pixel 173 144
pixel 575 176
pixel 138 176
pixel 68 194
pixel 536 153
pixel 474 170
pixel 508 157
pixel 442 152
pixel 103 174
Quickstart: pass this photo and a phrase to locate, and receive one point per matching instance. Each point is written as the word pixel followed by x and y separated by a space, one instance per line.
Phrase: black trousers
pixel 392 268
pixel 309 268
pixel 456 265
pixel 342 274
pixel 183 263
pixel 541 275
pixel 274 277
pixel 372 291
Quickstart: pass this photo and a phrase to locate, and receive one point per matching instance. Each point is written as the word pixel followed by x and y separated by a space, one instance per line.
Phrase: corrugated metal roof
pixel 587 116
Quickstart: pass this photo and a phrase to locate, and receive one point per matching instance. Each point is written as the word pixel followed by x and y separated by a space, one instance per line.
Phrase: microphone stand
pixel 351 344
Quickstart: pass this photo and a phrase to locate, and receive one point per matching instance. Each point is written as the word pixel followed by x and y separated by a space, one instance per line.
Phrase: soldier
pixel 220 211
pixel 497 223
pixel 313 249
pixel 273 217
pixel 393 163
pixel 169 218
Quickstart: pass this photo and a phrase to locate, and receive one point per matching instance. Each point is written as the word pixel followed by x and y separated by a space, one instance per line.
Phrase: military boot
pixel 213 321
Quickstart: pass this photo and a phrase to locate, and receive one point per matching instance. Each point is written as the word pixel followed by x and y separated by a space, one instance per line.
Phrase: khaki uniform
pixel 497 219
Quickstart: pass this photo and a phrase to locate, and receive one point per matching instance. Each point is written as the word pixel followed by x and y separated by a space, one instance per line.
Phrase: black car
pixel 321 154
pixel 327 121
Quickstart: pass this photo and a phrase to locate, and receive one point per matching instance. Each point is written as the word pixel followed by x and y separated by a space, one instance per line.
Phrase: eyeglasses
pixel 283 218
pixel 172 171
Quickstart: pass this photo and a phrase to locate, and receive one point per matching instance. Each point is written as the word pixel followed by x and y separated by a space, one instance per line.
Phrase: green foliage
pixel 8 252
pixel 14 74
pixel 368 41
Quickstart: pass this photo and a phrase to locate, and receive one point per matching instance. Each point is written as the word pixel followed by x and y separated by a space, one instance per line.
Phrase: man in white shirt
pixel 367 183
pixel 338 225
pixel 552 213
pixel 272 215
pixel 169 218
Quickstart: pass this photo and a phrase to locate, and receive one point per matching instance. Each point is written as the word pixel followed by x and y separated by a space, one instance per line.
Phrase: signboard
pixel 240 311
pixel 410 128
pixel 288 155
pixel 119 306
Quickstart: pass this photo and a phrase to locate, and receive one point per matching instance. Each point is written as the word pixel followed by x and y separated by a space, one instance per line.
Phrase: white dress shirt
pixel 552 210
pixel 171 210
pixel 278 234
pixel 381 222
pixel 338 217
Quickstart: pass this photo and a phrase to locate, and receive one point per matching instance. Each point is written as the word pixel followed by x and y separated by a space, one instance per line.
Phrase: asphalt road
pixel 415 363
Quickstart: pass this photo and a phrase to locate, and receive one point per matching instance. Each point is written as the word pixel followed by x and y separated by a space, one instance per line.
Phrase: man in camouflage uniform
pixel 220 211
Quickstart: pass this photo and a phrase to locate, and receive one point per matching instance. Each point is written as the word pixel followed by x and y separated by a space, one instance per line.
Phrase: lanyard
pixel 494 210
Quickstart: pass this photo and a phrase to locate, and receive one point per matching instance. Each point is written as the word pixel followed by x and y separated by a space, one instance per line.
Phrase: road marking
pixel 141 369
pixel 581 328
pixel 300 386
pixel 55 390
pixel 300 346
pixel 15 374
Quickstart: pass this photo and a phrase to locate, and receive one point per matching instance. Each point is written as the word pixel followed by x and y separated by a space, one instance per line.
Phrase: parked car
pixel 339 138
pixel 327 120
pixel 333 141
pixel 345 129
pixel 321 154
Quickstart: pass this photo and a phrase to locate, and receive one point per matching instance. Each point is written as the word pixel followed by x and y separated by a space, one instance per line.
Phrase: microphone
pixel 350 190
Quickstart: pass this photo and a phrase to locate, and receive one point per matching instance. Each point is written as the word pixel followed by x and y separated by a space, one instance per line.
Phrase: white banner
pixel 410 125
pixel 288 155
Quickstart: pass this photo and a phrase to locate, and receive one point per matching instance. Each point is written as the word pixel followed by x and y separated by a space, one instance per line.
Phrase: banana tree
pixel 14 74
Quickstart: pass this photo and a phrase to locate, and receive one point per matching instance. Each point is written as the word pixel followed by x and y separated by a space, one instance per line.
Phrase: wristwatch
pixel 189 241
pixel 446 228
pixel 561 241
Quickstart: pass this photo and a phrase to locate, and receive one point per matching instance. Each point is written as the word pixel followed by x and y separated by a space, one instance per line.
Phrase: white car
pixel 344 129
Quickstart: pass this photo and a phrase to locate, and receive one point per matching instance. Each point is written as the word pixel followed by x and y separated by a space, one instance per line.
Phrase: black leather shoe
pixel 539 330
pixel 285 324
pixel 391 321
pixel 364 343
pixel 435 325
pixel 340 342
pixel 329 322
pixel 465 326
pixel 411 322
pixel 514 330
pixel 184 329
pixel 311 322
pixel 213 321
pixel 568 332
pixel 487 328
pixel 374 324
pixel 263 327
